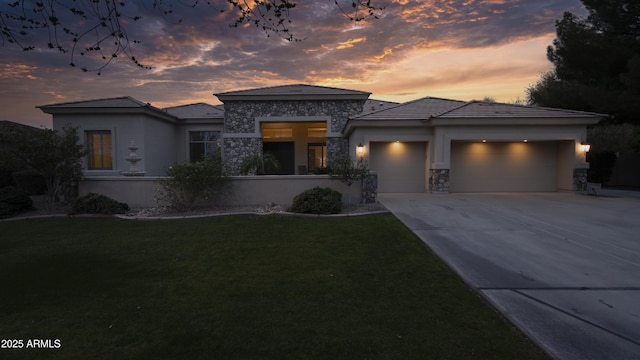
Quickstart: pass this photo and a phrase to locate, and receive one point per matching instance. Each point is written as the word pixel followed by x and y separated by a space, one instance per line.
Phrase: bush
pixel 97 204
pixel 317 201
pixel 601 166
pixel 31 181
pixel 14 201
pixel 6 179
pixel 189 182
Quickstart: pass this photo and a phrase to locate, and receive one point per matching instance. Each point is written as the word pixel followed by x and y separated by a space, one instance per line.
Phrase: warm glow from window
pixel 99 147
pixel 317 132
pixel 277 133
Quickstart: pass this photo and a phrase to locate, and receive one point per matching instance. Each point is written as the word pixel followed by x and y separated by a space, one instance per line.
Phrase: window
pixel 316 156
pixel 317 132
pixel 99 146
pixel 203 143
pixel 268 133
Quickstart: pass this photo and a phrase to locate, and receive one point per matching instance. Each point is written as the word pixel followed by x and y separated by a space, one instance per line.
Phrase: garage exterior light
pixel 584 147
pixel 360 149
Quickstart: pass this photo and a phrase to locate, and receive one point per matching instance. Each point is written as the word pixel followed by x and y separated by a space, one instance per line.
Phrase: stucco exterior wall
pixel 140 192
pixel 161 138
pixel 156 140
pixel 123 127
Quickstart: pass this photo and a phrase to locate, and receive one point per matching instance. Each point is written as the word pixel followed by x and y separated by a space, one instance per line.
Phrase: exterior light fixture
pixel 585 147
pixel 360 149
pixel 484 140
pixel 525 140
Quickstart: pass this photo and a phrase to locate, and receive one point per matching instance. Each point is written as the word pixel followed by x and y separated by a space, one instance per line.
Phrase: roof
pixel 372 105
pixel 420 109
pixel 117 102
pixel 294 92
pixel 119 105
pixel 430 108
pixel 480 109
pixel 196 111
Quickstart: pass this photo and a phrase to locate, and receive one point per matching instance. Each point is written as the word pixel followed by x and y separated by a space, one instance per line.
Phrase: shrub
pixel 601 166
pixel 260 165
pixel 31 181
pixel 14 201
pixel 189 182
pixel 317 200
pixel 6 179
pixel 349 171
pixel 97 204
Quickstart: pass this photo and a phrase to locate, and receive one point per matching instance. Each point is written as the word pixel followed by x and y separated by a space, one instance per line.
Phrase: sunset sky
pixel 456 49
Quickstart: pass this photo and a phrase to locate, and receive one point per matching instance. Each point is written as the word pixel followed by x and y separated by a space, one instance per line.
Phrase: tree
pixel 103 27
pixel 56 156
pixel 596 62
pixel 349 171
pixel 189 182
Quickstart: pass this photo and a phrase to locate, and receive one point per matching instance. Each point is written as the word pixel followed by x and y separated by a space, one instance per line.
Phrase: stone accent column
pixel 336 148
pixel 370 188
pixel 236 150
pixel 439 181
pixel 579 180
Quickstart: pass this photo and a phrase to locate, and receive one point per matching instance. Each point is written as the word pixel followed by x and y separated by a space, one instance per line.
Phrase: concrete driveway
pixel 564 268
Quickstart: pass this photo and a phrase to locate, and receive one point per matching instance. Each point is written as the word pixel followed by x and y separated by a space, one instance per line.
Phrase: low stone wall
pixel 243 190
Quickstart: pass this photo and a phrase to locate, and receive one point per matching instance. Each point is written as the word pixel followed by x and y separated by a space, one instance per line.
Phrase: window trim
pixel 218 140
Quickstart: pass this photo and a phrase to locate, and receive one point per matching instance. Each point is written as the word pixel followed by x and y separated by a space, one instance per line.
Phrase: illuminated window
pixel 277 133
pixel 203 143
pixel 316 156
pixel 100 152
pixel 317 132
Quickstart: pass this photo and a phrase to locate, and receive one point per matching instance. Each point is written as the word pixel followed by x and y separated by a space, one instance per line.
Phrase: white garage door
pixel 400 166
pixel 501 166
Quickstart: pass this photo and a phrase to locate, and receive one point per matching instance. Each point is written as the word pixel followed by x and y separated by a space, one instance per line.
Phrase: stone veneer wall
pixel 579 179
pixel 240 118
pixel 236 150
pixel 370 189
pixel 336 148
pixel 439 181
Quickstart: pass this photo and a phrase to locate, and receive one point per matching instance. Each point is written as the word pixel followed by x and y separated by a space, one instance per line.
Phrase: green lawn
pixel 240 287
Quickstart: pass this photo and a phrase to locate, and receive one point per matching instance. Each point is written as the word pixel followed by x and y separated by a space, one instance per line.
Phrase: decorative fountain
pixel 133 159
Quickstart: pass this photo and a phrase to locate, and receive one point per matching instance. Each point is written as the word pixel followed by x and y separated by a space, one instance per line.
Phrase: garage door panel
pixel 400 165
pixel 487 167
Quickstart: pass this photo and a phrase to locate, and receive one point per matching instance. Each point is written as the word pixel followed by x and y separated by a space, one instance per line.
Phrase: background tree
pixel 57 157
pixel 105 28
pixel 597 68
pixel 597 62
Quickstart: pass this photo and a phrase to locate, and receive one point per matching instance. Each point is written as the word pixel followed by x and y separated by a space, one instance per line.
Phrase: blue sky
pixel 458 49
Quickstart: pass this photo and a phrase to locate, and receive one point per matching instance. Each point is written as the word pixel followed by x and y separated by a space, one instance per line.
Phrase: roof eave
pixel 55 110
pixel 293 97
pixel 512 121
pixel 353 124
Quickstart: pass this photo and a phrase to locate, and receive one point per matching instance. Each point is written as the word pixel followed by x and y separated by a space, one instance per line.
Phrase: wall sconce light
pixel 360 149
pixel 585 147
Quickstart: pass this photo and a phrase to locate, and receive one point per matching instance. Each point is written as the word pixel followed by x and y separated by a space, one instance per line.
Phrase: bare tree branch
pixel 101 29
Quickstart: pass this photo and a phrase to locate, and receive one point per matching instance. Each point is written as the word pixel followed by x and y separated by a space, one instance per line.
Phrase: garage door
pixel 501 166
pixel 400 166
